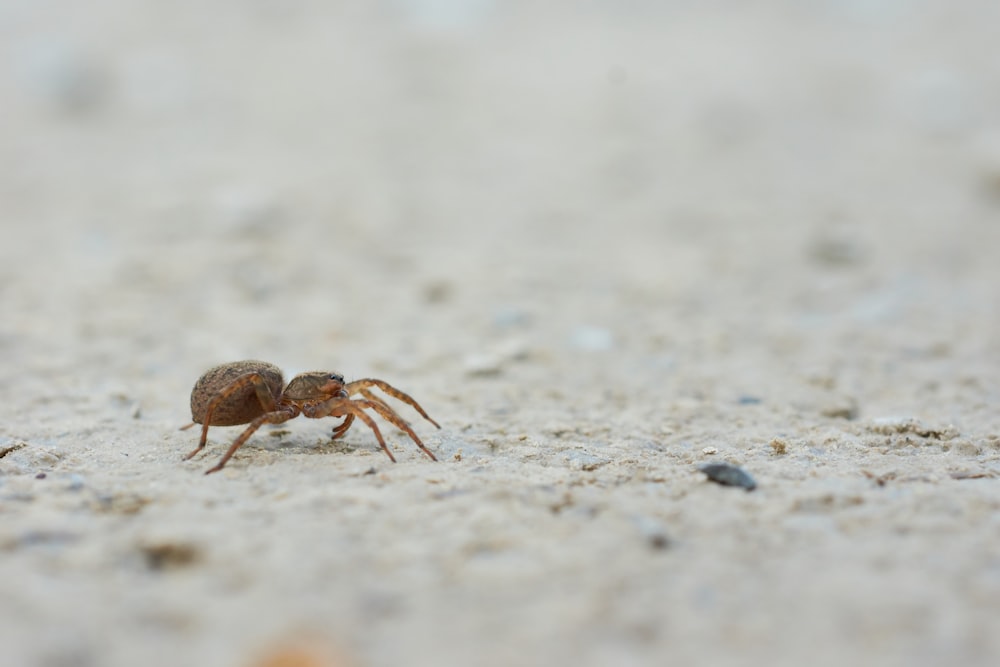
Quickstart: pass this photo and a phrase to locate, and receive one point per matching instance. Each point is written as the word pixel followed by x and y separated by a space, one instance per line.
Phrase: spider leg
pixel 390 416
pixel 275 417
pixel 359 386
pixel 337 406
pixel 201 444
pixel 341 429
pixel 263 392
pixel 373 398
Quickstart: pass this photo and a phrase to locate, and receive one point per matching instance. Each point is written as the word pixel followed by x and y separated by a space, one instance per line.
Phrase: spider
pixel 254 393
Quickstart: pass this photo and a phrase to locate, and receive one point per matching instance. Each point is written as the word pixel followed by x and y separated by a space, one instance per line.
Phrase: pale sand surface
pixel 601 244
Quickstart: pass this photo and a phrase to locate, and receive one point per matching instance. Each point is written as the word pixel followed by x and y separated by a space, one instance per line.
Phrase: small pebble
pixel 169 555
pixel 653 532
pixel 584 461
pixel 728 475
pixel 710 450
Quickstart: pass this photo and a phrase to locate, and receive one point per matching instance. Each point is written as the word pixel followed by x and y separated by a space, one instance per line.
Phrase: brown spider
pixel 254 393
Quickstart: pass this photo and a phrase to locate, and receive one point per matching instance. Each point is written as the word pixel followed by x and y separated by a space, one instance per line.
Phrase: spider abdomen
pixel 241 406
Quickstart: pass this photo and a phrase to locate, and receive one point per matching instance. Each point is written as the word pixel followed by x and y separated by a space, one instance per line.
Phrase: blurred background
pixel 263 158
pixel 620 175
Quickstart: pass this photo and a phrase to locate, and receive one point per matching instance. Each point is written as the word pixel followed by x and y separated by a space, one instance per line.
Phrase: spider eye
pixel 336 378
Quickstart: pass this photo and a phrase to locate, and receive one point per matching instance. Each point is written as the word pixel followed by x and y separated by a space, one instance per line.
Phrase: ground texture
pixel 601 244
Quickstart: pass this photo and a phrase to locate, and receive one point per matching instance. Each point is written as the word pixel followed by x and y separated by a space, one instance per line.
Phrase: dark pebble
pixel 728 475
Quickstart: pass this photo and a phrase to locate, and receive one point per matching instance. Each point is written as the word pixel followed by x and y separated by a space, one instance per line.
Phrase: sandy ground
pixel 602 244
